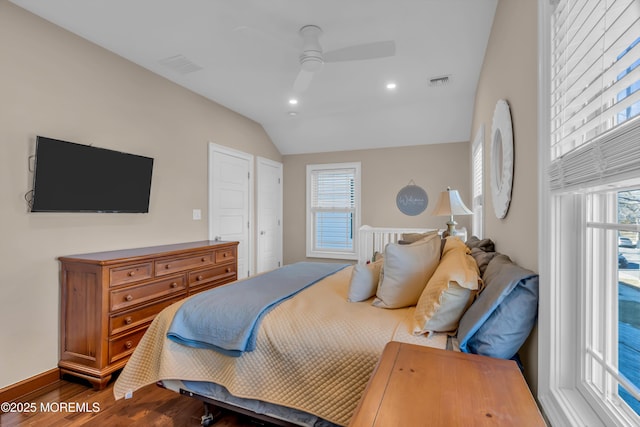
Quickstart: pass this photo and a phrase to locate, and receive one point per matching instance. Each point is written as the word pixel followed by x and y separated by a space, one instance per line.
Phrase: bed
pixel 314 352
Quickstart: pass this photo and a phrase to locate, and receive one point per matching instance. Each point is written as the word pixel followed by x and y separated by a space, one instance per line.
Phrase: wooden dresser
pixel 415 385
pixel 108 299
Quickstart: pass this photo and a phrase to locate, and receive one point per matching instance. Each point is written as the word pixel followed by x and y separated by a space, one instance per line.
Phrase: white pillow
pixel 406 271
pixel 364 281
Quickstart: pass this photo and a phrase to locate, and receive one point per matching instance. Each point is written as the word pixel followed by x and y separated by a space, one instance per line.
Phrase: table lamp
pixel 450 204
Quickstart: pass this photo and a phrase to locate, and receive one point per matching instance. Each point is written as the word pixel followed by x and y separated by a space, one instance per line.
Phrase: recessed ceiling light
pixel 391 85
pixel 292 113
pixel 293 101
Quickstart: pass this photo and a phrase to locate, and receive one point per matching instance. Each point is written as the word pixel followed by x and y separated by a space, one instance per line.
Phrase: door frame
pixel 279 165
pixel 217 148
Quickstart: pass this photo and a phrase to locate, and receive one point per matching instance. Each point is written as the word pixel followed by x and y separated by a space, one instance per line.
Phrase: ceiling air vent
pixel 439 81
pixel 180 64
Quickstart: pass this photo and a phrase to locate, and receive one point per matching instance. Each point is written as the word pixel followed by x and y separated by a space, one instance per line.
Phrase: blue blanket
pixel 226 318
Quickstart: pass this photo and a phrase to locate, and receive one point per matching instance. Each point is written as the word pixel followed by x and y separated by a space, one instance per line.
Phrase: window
pixel 333 210
pixel 612 299
pixel 590 213
pixel 477 164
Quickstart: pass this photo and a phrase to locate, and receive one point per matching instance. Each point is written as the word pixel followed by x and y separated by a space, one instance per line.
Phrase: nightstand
pixel 415 385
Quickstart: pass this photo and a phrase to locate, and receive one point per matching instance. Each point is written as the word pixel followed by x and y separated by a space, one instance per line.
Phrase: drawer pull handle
pixel 228 270
pixel 128 320
pixel 199 277
pixel 174 285
pixel 167 266
pixel 224 255
pixel 128 345
pixel 204 259
pixel 132 273
pixel 129 297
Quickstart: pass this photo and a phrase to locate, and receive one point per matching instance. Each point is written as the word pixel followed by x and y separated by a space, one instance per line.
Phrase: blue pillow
pixel 503 315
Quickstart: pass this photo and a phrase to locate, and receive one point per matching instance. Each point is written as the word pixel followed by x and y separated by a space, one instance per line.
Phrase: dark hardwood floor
pixel 150 406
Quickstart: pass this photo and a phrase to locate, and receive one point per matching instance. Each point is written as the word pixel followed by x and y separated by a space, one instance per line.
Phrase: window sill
pixel 566 407
pixel 332 255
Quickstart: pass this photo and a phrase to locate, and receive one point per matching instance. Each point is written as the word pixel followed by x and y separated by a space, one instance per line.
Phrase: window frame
pixel 563 392
pixel 477 198
pixel 311 250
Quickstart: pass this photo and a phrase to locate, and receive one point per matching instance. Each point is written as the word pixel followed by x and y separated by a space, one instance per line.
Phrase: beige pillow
pixel 408 238
pixel 441 307
pixel 449 292
pixel 407 269
pixel 364 281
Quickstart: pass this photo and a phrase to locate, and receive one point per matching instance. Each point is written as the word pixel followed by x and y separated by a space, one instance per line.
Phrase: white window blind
pixel 595 73
pixel 595 77
pixel 333 210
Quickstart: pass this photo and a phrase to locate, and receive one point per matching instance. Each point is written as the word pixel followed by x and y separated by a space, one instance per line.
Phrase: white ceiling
pixel 246 55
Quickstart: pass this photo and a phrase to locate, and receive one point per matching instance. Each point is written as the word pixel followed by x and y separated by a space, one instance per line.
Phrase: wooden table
pixel 421 386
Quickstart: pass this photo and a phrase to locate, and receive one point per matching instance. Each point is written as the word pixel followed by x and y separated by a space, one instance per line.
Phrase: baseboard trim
pixel 24 387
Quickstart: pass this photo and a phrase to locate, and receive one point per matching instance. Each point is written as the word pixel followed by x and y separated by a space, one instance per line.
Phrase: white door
pixel 230 195
pixel 269 218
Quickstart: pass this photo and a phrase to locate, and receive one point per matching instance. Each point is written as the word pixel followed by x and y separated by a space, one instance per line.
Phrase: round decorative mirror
pixel 501 158
pixel 412 199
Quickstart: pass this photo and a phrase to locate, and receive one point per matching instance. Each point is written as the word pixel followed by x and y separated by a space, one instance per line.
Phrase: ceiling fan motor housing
pixel 311 58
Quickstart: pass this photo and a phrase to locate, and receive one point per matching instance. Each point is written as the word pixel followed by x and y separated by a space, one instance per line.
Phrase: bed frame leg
pixel 212 415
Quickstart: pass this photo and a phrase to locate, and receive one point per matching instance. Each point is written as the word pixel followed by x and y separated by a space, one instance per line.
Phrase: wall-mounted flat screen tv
pixel 70 177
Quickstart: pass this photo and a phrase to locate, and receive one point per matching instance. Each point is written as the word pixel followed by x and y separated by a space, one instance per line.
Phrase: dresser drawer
pixel 173 265
pixel 224 272
pixel 225 255
pixel 134 318
pixel 130 273
pixel 123 346
pixel 127 297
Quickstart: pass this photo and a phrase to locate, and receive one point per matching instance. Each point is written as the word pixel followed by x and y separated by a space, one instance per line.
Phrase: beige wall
pixel 510 72
pixel 58 85
pixel 384 173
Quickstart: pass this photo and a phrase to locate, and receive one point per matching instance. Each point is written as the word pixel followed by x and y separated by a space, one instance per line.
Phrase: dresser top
pixel 109 257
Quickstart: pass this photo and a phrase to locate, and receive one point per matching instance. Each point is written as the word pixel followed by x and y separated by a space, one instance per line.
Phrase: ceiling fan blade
pixel 362 51
pixel 302 82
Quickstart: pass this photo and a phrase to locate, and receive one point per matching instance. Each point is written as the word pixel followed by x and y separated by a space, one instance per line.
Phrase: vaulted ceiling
pixel 244 54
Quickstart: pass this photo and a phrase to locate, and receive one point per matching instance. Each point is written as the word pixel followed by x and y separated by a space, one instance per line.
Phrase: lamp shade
pixel 450 203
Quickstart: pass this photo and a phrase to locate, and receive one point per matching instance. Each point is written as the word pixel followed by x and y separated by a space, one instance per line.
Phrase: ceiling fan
pixel 313 58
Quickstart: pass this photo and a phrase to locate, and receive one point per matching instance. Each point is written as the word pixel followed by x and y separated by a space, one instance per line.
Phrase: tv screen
pixel 70 177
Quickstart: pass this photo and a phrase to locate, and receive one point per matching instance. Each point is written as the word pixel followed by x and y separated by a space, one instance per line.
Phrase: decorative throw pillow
pixel 486 245
pixel 364 281
pixel 449 292
pixel 408 238
pixel 482 258
pixel 500 320
pixel 407 269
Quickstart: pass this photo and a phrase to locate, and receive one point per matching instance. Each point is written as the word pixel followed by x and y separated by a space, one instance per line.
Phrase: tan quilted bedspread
pixel 315 352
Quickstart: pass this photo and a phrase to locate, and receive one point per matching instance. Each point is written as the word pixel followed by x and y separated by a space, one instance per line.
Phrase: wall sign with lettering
pixel 412 199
